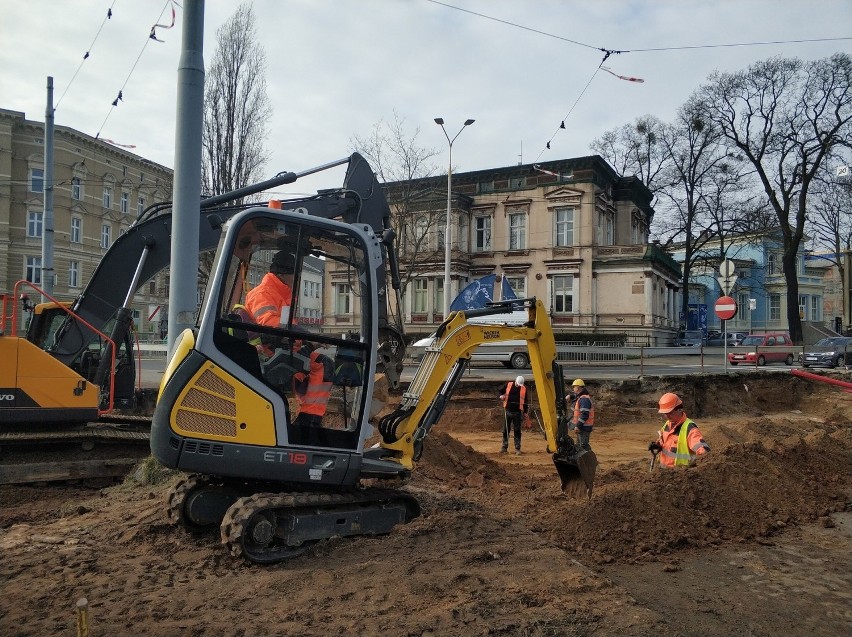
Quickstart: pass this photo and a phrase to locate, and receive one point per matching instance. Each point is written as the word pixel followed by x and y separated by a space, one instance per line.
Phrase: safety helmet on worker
pixel 669 402
pixel 519 381
pixel 578 382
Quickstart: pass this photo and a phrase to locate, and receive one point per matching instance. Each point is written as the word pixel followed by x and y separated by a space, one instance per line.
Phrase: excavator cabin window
pixel 271 329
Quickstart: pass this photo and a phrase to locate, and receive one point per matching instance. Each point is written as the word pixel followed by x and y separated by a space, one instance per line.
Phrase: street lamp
pixel 447 239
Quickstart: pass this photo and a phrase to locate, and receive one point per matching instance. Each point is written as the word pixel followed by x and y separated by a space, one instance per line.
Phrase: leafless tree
pixel 830 214
pixel 635 150
pixel 236 107
pixel 785 116
pixel 416 215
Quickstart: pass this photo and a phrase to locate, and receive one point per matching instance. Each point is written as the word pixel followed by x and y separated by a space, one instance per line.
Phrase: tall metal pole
pixel 183 282
pixel 47 215
pixel 447 236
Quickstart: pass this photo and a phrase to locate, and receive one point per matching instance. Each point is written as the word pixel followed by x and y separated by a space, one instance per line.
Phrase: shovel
pixel 653 461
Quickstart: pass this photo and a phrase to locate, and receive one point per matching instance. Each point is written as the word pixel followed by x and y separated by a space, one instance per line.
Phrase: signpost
pixel 726 308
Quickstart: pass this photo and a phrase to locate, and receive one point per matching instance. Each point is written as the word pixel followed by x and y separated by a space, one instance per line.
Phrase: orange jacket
pixel 267 300
pixel 680 443
pixel 314 388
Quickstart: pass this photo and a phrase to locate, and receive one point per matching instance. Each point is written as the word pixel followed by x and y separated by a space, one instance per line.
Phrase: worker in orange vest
pixel 584 412
pixel 313 387
pixel 515 405
pixel 269 302
pixel 679 442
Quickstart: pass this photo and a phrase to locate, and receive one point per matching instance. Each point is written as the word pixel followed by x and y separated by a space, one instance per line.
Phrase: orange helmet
pixel 668 402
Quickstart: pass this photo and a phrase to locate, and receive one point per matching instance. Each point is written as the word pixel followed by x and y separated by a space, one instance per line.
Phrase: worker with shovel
pixel 679 442
pixel 515 405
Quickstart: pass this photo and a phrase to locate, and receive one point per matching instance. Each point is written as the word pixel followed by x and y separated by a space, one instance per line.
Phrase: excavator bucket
pixel 577 471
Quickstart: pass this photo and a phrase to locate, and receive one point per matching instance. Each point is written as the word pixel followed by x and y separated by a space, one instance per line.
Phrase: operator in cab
pixel 269 302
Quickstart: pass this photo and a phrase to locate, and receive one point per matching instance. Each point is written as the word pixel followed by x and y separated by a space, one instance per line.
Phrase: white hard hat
pixel 519 381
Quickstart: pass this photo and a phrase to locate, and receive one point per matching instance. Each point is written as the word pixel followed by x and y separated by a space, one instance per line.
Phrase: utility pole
pixel 47 215
pixel 183 282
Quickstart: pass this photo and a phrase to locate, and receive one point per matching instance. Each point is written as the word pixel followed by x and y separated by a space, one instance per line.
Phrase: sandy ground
pixel 756 540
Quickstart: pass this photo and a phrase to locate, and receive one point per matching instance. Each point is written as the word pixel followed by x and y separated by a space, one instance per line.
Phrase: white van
pixel 513 354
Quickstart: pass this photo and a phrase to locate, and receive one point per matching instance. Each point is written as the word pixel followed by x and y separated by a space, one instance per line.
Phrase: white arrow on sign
pixel 727 282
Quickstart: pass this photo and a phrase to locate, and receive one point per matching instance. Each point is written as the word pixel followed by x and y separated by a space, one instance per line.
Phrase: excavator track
pixel 265 528
pixel 107 448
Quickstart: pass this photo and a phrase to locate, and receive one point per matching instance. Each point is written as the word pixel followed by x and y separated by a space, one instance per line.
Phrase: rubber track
pixel 235 522
pixel 177 497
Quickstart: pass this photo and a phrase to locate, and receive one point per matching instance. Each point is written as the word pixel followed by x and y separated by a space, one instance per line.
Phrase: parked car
pixel 716 339
pixel 689 338
pixel 830 352
pixel 762 349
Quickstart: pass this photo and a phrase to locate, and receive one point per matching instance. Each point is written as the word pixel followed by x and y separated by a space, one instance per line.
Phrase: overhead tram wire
pixel 120 96
pixel 86 55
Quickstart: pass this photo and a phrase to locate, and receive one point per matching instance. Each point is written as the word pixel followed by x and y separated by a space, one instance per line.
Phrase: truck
pixel 231 399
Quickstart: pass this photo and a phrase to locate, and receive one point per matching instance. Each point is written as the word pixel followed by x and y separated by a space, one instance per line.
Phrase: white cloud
pixel 336 67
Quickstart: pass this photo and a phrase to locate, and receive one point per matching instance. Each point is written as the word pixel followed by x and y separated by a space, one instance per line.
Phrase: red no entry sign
pixel 726 308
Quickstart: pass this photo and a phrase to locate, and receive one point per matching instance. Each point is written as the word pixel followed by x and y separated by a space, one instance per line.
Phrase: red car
pixel 762 349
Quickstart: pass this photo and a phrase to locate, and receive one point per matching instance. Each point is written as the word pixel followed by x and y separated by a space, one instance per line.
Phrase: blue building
pixel 759 289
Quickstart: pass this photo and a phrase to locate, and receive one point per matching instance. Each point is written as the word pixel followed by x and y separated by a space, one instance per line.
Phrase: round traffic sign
pixel 726 308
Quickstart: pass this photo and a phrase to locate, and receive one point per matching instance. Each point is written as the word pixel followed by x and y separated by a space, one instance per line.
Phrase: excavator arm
pixel 404 431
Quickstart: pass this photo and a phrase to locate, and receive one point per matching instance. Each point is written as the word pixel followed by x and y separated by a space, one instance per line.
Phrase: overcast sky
pixel 336 67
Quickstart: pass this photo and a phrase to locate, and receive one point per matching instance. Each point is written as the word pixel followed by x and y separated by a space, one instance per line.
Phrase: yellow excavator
pixel 231 401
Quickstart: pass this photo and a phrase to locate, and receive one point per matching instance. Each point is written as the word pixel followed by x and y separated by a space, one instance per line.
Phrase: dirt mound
pixel 453 463
pixel 745 491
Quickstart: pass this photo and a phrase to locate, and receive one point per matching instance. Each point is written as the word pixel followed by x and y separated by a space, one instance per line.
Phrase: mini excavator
pixel 228 408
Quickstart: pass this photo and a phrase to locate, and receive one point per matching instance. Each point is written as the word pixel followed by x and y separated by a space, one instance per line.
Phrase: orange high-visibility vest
pixel 678 448
pixel 315 398
pixel 267 299
pixel 590 421
pixel 523 399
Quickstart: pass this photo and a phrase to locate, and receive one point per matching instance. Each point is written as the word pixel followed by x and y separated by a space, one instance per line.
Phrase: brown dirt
pixel 756 540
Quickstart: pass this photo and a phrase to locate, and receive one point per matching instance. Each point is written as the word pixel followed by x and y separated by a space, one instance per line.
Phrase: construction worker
pixel 584 412
pixel 313 387
pixel 515 405
pixel 680 441
pixel 269 302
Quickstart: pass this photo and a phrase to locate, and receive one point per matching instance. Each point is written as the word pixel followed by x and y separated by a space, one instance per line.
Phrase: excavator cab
pixel 268 387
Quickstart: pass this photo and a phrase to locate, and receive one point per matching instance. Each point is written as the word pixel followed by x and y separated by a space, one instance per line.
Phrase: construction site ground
pixel 755 540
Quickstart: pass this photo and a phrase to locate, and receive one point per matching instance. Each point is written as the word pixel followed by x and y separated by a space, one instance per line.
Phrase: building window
pixel 771 263
pixel 439 296
pixel 74 274
pixel 36 180
pixel 563 294
pixel 421 287
pixel 107 197
pixel 482 232
pixel 637 230
pixel 76 188
pixel 604 230
pixel 564 227
pixel 140 206
pixel 774 307
pixel 342 305
pixel 124 171
pixel 125 203
pixel 76 229
pixel 441 233
pixel 518 285
pixel 106 235
pixel 517 231
pixel 742 306
pixel 32 272
pixel 815 304
pixel 34 223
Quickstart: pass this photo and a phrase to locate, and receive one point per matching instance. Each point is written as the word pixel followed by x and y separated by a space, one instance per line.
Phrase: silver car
pixel 689 338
